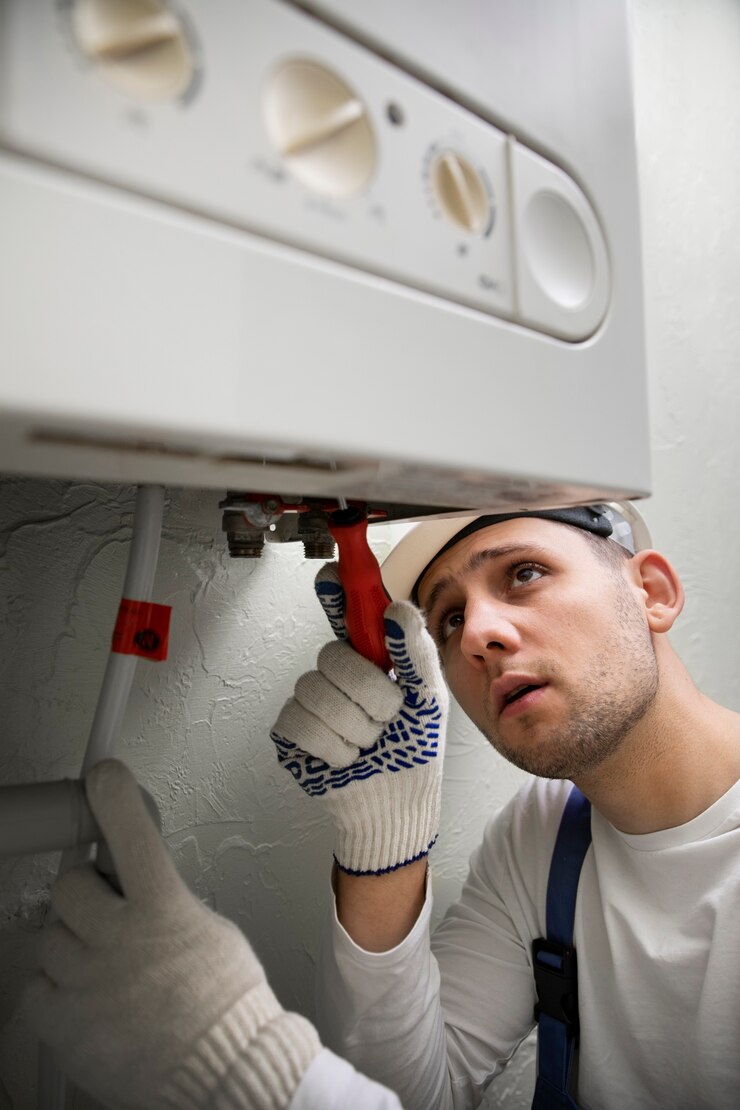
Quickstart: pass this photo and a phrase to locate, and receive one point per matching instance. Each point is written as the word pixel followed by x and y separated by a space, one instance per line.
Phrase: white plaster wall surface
pixel 195 730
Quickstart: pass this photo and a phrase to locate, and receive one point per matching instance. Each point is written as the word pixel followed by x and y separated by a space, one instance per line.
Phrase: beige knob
pixel 140 46
pixel 460 191
pixel 320 127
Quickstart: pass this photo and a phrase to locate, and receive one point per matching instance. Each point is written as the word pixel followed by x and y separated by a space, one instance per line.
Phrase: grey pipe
pixel 42 817
pixel 47 816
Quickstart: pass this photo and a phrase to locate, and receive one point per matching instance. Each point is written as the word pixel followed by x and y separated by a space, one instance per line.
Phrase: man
pixel 553 641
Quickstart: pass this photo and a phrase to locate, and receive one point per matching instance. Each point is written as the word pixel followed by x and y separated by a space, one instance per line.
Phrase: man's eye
pixel 525 573
pixel 447 624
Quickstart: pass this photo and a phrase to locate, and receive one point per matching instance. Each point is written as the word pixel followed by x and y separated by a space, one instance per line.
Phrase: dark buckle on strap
pixel 556 980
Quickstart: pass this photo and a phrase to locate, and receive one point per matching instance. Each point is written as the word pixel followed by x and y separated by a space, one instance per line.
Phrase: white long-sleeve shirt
pixel 657 932
pixel 332 1084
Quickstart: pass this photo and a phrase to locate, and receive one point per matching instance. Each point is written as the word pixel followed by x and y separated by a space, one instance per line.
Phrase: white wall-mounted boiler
pixel 384 251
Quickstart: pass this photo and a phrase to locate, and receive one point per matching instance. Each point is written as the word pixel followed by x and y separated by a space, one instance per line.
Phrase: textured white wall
pixel 196 728
pixel 687 73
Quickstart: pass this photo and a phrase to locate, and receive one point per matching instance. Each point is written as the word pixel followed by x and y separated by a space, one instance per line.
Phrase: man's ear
pixel 661 588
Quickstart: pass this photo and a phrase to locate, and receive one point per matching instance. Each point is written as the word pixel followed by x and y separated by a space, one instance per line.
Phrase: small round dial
pixel 460 191
pixel 140 46
pixel 321 128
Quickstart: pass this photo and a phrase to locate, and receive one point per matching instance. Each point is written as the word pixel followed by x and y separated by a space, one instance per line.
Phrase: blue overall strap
pixel 555 969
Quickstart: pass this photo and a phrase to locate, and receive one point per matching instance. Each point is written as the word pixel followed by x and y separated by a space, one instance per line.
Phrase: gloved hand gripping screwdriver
pixel 365 595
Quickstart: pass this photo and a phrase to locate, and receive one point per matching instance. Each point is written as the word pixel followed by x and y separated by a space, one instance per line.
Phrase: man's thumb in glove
pixel 414 655
pixel 331 595
pixel 142 861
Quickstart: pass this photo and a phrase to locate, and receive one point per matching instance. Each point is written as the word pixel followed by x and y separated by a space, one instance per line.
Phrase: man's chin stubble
pixel 586 743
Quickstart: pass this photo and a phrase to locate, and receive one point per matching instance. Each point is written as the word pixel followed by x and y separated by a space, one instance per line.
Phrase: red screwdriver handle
pixel 365 596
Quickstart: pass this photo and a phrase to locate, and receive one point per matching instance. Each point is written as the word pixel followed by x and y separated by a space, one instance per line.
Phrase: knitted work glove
pixel 150 999
pixel 370 747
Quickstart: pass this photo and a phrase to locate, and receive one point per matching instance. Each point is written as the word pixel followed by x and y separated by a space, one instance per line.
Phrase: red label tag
pixel 142 628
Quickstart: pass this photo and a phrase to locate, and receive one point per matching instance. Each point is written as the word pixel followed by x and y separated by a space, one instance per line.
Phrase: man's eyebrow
pixel 476 560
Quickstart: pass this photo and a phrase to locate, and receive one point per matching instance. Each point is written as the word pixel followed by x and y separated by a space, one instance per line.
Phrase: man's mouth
pixel 519 693
pixel 526 697
pixel 514 693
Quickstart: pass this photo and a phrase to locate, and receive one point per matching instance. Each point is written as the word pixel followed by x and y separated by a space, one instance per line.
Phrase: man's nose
pixel 488 629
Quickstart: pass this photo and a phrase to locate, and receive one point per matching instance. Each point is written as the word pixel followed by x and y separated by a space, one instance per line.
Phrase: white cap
pixel 412 555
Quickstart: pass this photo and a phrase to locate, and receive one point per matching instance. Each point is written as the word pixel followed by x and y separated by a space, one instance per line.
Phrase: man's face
pixel 545 646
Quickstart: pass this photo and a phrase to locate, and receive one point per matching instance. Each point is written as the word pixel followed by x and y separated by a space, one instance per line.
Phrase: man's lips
pixel 512 689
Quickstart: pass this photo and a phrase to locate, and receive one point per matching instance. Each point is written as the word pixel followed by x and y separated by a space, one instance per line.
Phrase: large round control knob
pixel 460 192
pixel 320 127
pixel 139 45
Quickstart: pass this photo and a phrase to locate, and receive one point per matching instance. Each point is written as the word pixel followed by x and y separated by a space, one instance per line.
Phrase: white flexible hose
pixel 106 726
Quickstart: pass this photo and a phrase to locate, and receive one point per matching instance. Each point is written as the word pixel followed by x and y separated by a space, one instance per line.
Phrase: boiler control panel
pixel 267 119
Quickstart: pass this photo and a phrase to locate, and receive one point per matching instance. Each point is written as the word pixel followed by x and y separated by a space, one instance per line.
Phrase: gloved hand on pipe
pixel 369 747
pixel 150 999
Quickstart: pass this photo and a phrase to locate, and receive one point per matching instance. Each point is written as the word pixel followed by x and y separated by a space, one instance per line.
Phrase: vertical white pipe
pixel 106 726
pixel 138 586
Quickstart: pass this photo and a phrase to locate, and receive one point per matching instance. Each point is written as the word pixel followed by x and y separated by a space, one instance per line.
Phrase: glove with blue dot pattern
pixel 370 747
